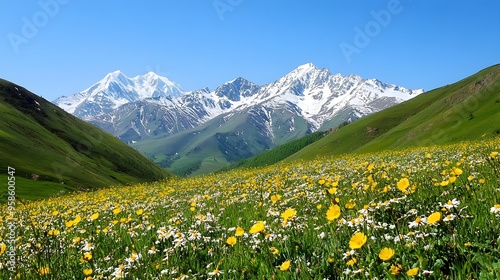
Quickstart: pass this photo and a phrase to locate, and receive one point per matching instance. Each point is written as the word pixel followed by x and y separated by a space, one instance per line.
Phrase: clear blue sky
pixel 65 48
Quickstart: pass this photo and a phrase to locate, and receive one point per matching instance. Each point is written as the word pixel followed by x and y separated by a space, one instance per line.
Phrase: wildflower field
pixel 416 213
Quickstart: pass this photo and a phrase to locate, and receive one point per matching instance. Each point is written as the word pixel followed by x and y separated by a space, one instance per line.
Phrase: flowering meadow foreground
pixel 418 213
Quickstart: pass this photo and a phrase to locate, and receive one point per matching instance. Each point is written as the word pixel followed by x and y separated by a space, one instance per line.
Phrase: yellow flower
pixel 321 182
pixel 87 271
pixel 395 269
pixel 403 184
pixel 139 212
pixel 94 216
pixel 370 167
pixel 44 270
pixel 231 240
pixel 257 227
pixel 275 198
pixel 284 266
pixel 54 232
pixel 357 240
pixel 69 223
pixel 457 171
pixel 444 183
pixel 333 212
pixel 274 251
pixel 386 254
pixel 332 190
pixel 352 262
pixel 412 272
pixel 452 179
pixel 3 247
pixel 239 231
pixel 87 256
pixel 493 155
pixel 117 210
pixel 288 214
pixel 434 218
pixel 350 205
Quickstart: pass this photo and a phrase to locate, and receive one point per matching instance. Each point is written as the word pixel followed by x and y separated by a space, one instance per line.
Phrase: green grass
pixel 28 189
pixel 39 138
pixel 277 154
pixel 310 212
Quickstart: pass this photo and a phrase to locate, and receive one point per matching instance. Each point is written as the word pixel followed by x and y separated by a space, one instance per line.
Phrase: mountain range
pixel 467 110
pixel 203 130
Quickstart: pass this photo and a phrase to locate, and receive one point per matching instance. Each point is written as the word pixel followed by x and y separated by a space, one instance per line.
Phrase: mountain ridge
pixel 114 90
pixel 308 87
pixel 251 117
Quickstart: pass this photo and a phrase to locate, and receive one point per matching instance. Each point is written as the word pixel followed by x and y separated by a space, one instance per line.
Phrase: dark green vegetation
pixel 277 154
pixel 466 110
pixel 63 153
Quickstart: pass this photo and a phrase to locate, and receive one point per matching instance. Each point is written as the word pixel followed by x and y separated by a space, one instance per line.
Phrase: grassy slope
pixel 39 138
pixel 466 110
pixel 277 154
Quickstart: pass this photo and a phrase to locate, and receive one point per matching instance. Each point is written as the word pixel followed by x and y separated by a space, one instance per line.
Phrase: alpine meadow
pixel 231 139
pixel 404 212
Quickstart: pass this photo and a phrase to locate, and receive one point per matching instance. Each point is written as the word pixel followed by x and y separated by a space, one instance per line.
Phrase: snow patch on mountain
pixel 115 90
pixel 152 105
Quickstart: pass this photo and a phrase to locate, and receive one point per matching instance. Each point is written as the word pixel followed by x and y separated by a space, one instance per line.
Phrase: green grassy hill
pixel 277 154
pixel 38 138
pixel 466 110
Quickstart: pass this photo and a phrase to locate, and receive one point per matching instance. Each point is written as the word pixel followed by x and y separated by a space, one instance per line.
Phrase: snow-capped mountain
pixel 239 118
pixel 321 96
pixel 116 90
